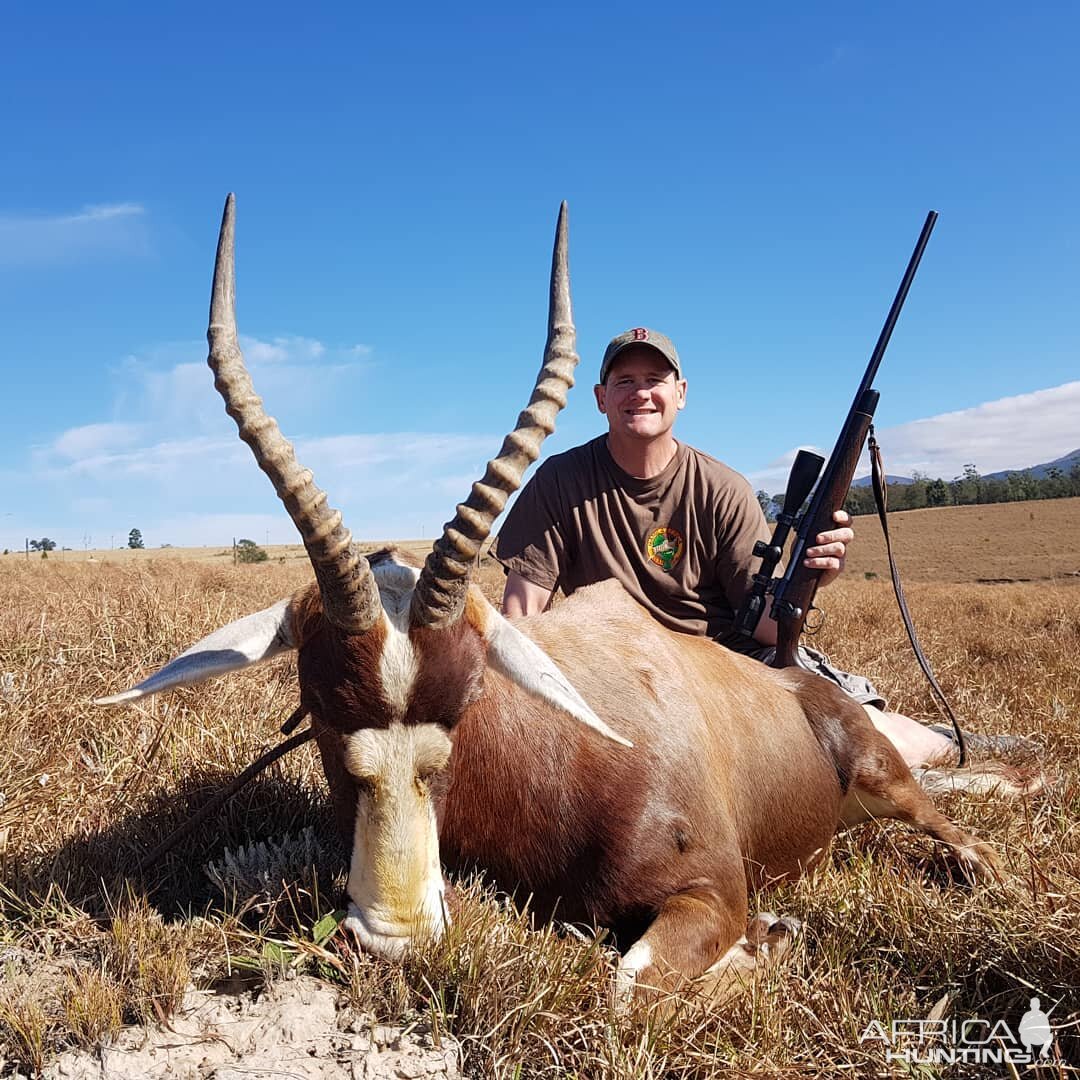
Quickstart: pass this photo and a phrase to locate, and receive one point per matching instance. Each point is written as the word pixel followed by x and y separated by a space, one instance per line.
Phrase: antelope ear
pixel 250 640
pixel 521 660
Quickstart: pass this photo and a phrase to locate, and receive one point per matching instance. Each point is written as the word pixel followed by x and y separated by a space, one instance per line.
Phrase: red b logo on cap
pixel 640 333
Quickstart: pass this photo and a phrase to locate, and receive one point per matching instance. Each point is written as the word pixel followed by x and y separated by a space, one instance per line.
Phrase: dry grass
pixel 85 944
pixel 1022 541
pixel 217 555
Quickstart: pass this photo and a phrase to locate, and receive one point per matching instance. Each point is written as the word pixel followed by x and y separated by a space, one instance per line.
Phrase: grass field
pixel 892 933
pixel 1023 541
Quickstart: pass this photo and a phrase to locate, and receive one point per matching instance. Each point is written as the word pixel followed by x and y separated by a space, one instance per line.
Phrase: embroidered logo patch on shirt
pixel 665 547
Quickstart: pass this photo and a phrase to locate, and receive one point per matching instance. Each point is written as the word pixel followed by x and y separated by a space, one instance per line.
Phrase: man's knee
pixel 917 744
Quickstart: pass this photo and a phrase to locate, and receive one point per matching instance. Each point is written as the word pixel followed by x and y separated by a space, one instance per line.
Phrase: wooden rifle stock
pixel 795 596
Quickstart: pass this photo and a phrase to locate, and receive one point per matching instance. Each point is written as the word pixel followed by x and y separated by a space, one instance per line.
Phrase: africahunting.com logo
pixel 974 1041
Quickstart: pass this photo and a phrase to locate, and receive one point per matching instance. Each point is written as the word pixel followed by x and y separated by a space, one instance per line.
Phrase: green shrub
pixel 248 551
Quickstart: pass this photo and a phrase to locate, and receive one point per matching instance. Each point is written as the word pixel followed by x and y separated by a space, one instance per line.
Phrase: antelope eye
pixel 365 784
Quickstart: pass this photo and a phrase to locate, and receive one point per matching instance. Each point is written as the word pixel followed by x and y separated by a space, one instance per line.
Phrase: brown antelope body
pixel 618 772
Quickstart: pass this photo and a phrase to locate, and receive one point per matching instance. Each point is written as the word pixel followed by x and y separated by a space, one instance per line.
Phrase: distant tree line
pixel 968 489
pixel 965 490
pixel 45 544
pixel 244 551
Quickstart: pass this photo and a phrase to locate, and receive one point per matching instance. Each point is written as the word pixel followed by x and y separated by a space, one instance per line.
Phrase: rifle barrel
pixel 898 303
pixel 883 338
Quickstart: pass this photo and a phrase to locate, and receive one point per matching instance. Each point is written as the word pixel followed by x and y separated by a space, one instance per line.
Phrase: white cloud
pixel 282 350
pixel 173 466
pixel 169 387
pixel 167 410
pixel 105 212
pixel 94 231
pixel 1010 433
pixel 398 484
pixel 91 440
pixel 158 461
pixel 171 383
pixel 206 490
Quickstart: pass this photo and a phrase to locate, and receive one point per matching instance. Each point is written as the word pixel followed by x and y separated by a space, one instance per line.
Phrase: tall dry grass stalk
pixel 86 944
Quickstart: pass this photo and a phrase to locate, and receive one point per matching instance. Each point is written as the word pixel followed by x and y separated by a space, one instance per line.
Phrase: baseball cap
pixel 640 335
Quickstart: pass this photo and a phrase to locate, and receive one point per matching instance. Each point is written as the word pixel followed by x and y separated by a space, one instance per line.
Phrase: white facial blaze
pixel 398 664
pixel 395 882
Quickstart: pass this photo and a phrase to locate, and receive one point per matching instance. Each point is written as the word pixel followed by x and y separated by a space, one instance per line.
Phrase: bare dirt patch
pixel 294 1029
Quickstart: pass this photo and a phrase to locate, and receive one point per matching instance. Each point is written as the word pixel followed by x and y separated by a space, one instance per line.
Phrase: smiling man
pixel 675 526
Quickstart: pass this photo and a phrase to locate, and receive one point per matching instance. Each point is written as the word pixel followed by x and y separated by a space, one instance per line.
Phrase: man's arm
pixel 522 597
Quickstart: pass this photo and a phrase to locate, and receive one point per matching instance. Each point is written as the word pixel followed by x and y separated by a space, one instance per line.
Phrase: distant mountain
pixel 1064 463
pixel 866 481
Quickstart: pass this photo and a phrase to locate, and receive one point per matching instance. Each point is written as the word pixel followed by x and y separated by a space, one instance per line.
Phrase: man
pixel 673 525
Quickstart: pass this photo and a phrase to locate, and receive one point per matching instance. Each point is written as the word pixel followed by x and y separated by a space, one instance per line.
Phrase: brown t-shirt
pixel 679 542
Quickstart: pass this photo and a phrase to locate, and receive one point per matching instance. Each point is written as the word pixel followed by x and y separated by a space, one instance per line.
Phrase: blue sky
pixel 749 180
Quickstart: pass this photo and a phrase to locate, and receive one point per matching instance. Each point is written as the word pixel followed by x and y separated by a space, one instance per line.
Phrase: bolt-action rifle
pixel 793 594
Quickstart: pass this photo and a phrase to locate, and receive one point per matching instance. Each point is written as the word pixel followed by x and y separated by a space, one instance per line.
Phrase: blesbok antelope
pixel 638 778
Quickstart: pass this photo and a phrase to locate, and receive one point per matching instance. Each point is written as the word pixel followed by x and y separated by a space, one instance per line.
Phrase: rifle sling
pixel 881 499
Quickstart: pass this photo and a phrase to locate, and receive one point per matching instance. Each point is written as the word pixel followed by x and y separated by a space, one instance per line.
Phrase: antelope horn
pixel 349 595
pixel 439 597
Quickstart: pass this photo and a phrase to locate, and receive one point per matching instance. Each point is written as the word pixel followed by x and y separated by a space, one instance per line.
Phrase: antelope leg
pixel 883 787
pixel 701 934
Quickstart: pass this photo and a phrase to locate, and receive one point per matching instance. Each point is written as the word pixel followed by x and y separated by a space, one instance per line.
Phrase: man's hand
pixel 829 551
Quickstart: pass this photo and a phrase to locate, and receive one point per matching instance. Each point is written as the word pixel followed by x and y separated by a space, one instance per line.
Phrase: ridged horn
pixel 349 595
pixel 439 597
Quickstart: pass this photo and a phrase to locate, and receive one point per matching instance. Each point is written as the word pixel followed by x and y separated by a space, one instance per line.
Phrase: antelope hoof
pixel 767 941
pixel 770 938
pixel 980 863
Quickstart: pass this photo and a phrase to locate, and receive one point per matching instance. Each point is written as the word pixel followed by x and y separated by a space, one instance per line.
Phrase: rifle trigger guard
pixel 812 624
